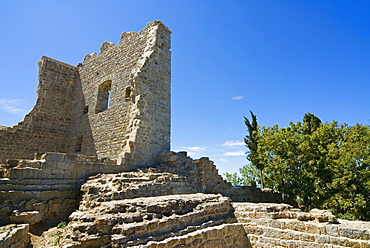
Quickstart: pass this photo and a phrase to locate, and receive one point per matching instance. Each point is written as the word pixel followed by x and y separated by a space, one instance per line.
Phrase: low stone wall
pixel 46 127
pixel 14 236
pixel 203 173
pixel 253 194
pixel 281 225
pixel 49 186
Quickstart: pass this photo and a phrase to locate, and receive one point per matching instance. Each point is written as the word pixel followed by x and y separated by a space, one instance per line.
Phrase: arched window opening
pixel 103 97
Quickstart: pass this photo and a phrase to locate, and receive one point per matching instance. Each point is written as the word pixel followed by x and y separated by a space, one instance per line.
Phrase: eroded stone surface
pixel 30 217
pixel 14 236
pixel 132 222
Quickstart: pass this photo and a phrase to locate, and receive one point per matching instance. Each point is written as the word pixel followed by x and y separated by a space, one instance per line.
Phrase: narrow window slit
pixel 103 96
pixel 79 144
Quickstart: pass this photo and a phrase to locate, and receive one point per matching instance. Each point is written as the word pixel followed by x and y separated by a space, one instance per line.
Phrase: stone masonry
pixel 114 105
pixel 95 152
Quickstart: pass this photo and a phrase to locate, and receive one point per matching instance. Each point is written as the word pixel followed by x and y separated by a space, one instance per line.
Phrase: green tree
pixel 251 142
pixel 320 165
pixel 249 176
pixel 234 179
pixel 311 122
pixel 350 186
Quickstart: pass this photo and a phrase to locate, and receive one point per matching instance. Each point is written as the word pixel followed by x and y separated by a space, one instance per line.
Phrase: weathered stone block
pixel 49 194
pixel 14 236
pixel 324 239
pixel 28 217
pixel 354 233
pixel 307 237
pixel 55 157
pixel 332 230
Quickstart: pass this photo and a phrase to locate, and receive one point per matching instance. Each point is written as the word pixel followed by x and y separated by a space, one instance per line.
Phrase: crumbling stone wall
pixel 45 191
pixel 46 127
pixel 203 174
pixel 115 105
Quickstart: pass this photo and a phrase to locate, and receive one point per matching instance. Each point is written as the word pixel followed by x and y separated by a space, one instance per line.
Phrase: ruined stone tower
pixel 114 105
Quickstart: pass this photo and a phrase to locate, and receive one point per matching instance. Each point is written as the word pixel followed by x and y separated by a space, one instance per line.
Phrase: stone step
pixel 38 187
pixel 223 235
pixel 262 207
pixel 143 191
pixel 311 228
pixel 137 221
pixel 288 238
pixel 259 241
pixel 121 239
pixel 41 181
pixel 40 195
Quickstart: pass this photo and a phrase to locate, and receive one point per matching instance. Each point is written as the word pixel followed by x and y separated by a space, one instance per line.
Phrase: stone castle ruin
pixel 115 105
pixel 95 151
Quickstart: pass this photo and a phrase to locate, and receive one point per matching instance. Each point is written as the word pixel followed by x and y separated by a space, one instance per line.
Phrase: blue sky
pixel 280 59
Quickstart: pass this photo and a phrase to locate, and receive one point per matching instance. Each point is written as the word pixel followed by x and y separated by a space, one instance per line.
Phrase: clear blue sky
pixel 280 59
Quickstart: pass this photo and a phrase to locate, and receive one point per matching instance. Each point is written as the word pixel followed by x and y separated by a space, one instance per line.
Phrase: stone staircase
pixel 281 225
pixel 146 220
pixel 152 207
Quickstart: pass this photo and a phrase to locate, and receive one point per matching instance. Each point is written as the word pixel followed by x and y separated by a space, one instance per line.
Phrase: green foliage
pixel 320 165
pixel 249 176
pixel 311 123
pixel 62 225
pixel 233 178
pixel 251 142
pixel 54 243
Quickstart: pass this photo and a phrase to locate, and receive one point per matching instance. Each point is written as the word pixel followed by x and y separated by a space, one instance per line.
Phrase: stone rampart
pixel 51 184
pixel 46 127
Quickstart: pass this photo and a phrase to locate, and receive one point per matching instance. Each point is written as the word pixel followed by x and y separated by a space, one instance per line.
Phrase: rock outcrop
pixel 144 220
